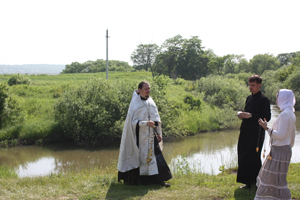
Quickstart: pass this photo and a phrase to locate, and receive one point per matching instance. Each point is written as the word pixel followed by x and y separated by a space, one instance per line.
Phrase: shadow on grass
pixel 120 191
pixel 244 194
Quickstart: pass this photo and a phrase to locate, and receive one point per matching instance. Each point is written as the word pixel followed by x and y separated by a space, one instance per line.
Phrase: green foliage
pixel 58 90
pixel 94 112
pixel 183 58
pixel 221 91
pixel 194 103
pixel 261 62
pixel 6 172
pixel 97 66
pixel 179 81
pixel 12 112
pixel 3 96
pixel 287 58
pixel 284 72
pixel 101 183
pixel 18 79
pixel 143 57
pixel 270 85
pixel 293 83
pixel 90 110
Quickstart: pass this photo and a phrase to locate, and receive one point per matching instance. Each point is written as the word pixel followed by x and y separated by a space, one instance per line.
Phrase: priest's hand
pixel 159 138
pixel 244 115
pixel 151 124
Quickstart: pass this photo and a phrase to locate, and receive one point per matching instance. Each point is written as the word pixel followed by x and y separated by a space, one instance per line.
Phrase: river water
pixel 205 152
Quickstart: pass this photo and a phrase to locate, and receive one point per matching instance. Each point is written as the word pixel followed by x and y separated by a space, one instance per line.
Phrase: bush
pixel 179 81
pixel 94 113
pixel 193 102
pixel 12 113
pixel 220 91
pixel 3 96
pixel 18 79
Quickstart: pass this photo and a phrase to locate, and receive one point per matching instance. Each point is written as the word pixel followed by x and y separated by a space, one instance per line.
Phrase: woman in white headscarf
pixel 271 180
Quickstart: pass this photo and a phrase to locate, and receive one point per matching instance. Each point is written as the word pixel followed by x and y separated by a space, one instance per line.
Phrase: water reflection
pixel 204 152
pixel 221 149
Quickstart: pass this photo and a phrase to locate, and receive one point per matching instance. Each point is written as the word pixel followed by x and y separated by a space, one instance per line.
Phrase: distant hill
pixel 31 69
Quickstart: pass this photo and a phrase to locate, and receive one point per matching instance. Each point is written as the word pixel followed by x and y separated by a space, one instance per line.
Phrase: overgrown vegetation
pixel 97 66
pixel 89 110
pixel 18 79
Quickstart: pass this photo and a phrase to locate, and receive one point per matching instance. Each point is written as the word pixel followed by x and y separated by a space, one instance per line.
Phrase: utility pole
pixel 106 54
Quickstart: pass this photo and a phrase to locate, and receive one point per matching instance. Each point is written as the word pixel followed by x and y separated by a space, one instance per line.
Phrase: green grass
pixel 36 104
pixel 103 184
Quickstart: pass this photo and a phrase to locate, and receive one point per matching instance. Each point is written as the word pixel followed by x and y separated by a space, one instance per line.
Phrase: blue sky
pixel 65 31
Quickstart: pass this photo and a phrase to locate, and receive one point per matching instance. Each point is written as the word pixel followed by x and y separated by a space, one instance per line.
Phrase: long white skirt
pixel 271 180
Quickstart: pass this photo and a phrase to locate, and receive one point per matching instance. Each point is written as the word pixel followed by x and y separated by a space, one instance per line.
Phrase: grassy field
pixel 36 103
pixel 103 184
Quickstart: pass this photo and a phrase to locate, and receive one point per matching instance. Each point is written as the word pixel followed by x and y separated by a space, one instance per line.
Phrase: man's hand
pixel 244 115
pixel 159 138
pixel 151 124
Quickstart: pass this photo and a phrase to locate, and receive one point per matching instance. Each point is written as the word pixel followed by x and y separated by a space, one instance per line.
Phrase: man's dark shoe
pixel 165 184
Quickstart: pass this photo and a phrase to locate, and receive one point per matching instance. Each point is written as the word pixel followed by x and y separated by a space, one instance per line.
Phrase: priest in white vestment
pixel 140 158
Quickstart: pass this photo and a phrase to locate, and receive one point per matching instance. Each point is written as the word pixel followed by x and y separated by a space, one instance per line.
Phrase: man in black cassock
pixel 251 135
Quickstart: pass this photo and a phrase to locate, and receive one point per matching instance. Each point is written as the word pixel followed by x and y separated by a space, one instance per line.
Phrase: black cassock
pixel 249 162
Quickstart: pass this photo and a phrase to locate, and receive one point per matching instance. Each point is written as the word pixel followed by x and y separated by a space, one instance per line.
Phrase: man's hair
pixel 255 78
pixel 141 84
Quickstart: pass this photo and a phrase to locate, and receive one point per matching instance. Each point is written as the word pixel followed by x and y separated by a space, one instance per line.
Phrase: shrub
pixel 194 102
pixel 179 81
pixel 3 96
pixel 18 79
pixel 94 113
pixel 220 91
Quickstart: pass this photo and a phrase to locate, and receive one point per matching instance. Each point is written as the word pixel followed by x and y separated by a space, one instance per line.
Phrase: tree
pixel 261 62
pixel 97 66
pixel 167 60
pixel 144 56
pixel 183 58
pixel 193 63
pixel 243 66
pixel 231 61
pixel 216 64
pixel 286 58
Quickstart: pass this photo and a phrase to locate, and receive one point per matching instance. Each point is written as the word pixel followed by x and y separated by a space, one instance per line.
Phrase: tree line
pixel 179 57
pixel 97 66
pixel 188 59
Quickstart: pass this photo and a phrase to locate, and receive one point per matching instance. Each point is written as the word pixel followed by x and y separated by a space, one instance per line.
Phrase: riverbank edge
pixel 102 184
pixel 47 141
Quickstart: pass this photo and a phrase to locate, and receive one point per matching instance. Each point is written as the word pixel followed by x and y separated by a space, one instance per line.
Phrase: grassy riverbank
pixel 38 113
pixel 103 184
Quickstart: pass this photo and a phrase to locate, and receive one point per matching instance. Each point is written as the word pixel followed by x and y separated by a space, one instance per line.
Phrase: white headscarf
pixel 286 99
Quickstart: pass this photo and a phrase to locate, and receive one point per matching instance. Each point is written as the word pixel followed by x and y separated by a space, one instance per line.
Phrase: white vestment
pixel 131 156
